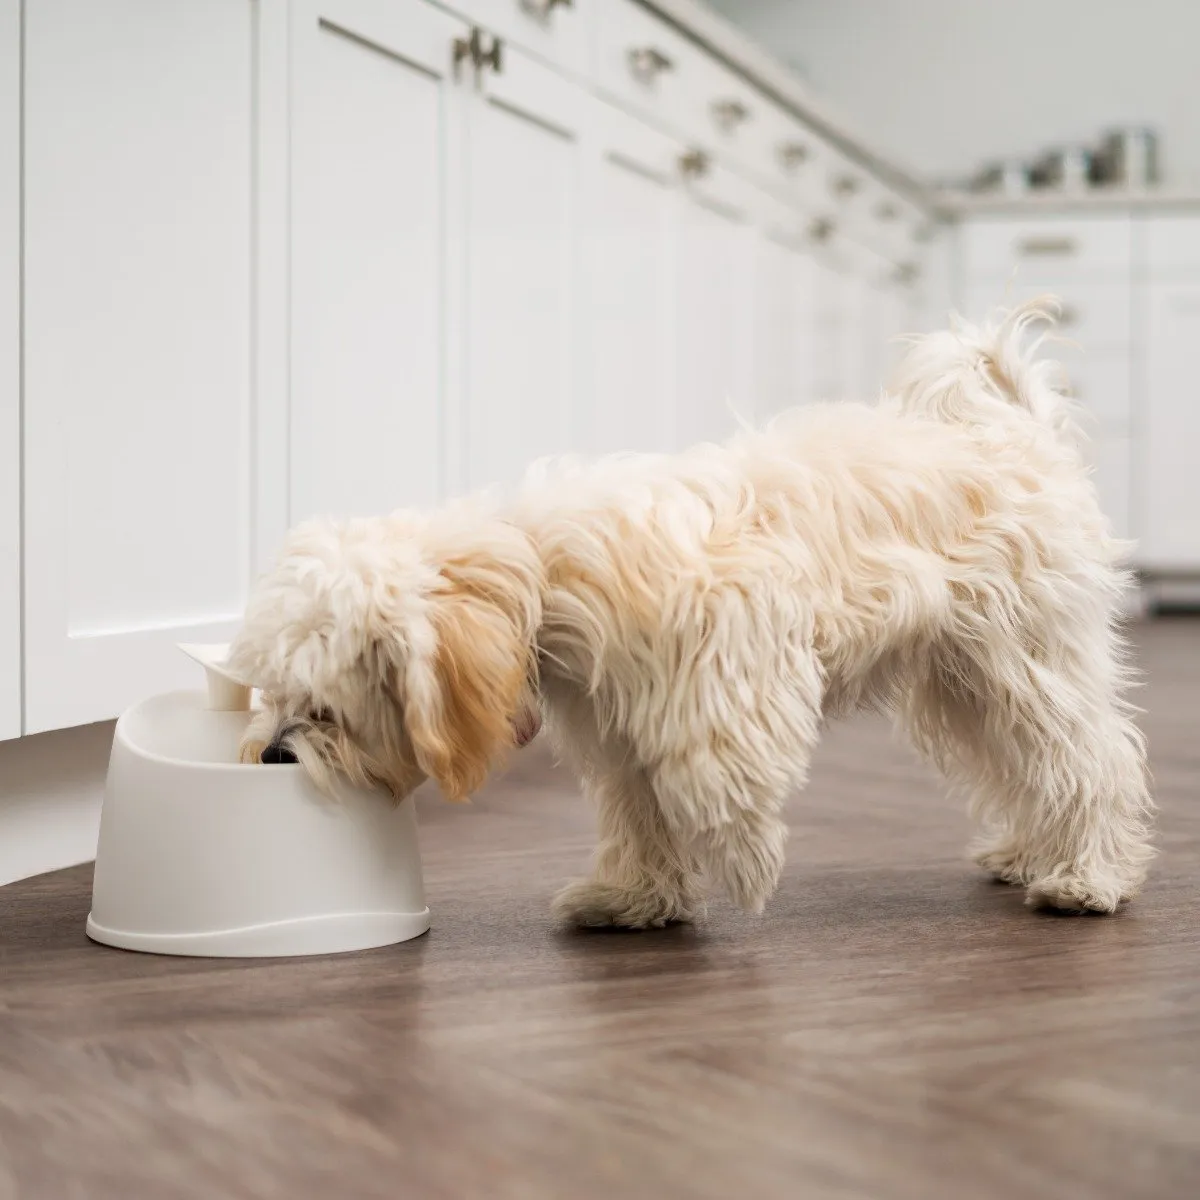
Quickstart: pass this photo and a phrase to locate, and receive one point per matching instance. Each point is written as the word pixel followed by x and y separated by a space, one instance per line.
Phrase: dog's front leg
pixel 643 877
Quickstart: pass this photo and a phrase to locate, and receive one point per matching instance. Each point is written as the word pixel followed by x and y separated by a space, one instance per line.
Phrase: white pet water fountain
pixel 201 855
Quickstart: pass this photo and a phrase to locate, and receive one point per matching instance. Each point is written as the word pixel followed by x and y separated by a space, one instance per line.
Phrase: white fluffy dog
pixel 687 624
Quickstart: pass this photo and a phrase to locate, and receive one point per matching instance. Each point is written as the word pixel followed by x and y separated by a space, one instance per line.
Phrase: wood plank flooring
pixel 894 1027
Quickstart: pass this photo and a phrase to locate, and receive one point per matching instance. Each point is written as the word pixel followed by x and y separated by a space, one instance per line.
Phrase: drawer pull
pixel 729 114
pixel 821 229
pixel 647 63
pixel 845 186
pixel 887 211
pixel 494 57
pixel 792 154
pixel 468 48
pixel 544 9
pixel 694 164
pixel 472 48
pixel 906 273
pixel 1047 247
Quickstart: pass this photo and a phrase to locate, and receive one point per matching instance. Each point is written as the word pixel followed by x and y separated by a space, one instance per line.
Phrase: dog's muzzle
pixel 276 754
pixel 526 726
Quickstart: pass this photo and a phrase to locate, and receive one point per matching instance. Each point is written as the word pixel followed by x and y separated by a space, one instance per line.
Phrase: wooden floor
pixel 895 1026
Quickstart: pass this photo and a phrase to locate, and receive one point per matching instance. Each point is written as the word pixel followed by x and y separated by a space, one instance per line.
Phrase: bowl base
pixel 339 933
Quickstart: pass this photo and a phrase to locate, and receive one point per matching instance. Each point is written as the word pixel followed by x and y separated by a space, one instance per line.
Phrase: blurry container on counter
pixel 1064 169
pixel 1128 158
pixel 1005 177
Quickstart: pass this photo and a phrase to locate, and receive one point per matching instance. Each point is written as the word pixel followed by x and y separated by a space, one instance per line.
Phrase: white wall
pixel 945 84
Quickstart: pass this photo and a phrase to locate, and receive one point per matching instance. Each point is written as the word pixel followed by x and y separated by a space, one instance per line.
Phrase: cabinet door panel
pixel 1169 419
pixel 714 281
pixel 1110 457
pixel 523 214
pixel 139 476
pixel 784 368
pixel 10 369
pixel 836 349
pixel 374 125
pixel 630 256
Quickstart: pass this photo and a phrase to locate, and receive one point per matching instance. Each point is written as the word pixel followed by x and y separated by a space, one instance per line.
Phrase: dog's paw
pixel 1078 893
pixel 593 904
pixel 1002 861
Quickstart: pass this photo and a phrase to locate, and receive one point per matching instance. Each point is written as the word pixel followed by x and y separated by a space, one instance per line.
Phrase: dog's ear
pixel 464 690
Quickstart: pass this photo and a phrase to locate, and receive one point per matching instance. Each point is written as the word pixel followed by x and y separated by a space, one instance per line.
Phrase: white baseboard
pixel 51 786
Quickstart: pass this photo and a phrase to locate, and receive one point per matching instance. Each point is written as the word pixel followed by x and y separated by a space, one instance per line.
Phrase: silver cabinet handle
pixel 792 154
pixel 886 211
pixel 647 63
pixel 467 48
pixel 906 273
pixel 544 8
pixel 845 186
pixel 821 229
pixel 494 57
pixel 472 48
pixel 1046 247
pixel 695 164
pixel 730 114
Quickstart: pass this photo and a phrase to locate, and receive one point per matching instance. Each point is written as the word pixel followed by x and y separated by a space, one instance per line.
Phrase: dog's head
pixel 394 649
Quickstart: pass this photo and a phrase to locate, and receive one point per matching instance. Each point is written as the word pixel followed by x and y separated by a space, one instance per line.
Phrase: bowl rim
pixel 121 733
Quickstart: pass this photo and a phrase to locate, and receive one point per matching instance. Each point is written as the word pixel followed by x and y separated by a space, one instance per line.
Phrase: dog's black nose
pixel 275 754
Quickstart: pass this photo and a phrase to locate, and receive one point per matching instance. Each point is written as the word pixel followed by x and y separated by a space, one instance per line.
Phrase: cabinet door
pixel 784 329
pixel 1110 456
pixel 140 474
pixel 10 368
pixel 1168 482
pixel 630 274
pixel 522 200
pixel 836 348
pixel 714 299
pixel 375 113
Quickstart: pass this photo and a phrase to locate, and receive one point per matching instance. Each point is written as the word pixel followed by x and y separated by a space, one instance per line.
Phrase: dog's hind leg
pixel 644 876
pixel 1041 734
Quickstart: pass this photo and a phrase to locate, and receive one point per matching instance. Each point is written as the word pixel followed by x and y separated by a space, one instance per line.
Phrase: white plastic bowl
pixel 200 855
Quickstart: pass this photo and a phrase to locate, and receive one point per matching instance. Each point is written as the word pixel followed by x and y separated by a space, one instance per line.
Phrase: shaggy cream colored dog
pixel 688 623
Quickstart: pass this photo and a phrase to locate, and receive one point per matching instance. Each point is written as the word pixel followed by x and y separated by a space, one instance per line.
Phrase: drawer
pixel 1095 315
pixel 552 30
pixel 1102 386
pixel 896 226
pixel 799 163
pixel 1111 460
pixel 1169 246
pixel 635 144
pixel 726 113
pixel 646 65
pixel 1077 247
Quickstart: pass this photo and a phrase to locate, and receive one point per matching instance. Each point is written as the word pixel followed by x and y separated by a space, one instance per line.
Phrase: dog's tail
pixel 971 374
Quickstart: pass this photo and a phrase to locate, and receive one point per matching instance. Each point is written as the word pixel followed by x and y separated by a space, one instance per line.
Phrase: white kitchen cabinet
pixel 714 307
pixel 523 214
pixel 837 348
pixel 288 257
pixel 140 477
pixel 1087 263
pixel 377 146
pixel 629 272
pixel 1110 457
pixel 10 369
pixel 1169 420
pixel 784 366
